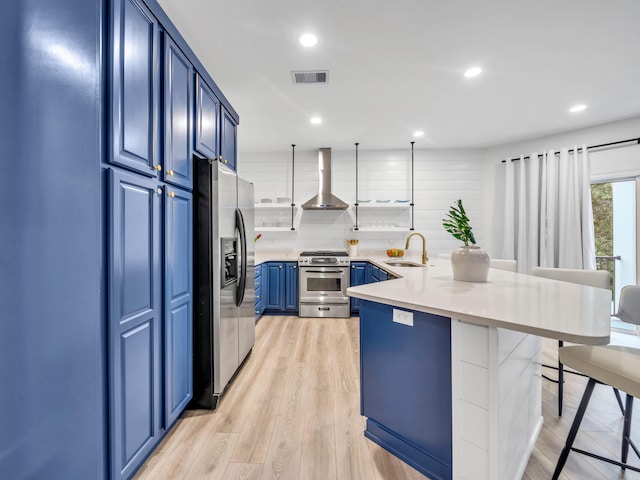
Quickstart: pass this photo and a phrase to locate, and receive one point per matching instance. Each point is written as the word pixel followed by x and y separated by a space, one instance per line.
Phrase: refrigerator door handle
pixel 242 280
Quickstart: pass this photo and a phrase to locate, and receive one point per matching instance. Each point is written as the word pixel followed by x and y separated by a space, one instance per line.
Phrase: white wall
pixel 441 177
pixel 605 165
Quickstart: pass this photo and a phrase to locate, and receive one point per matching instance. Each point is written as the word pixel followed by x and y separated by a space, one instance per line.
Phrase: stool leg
pixel 560 380
pixel 574 428
pixel 617 393
pixel 626 431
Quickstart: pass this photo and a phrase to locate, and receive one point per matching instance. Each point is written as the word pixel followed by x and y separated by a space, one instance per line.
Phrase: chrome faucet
pixel 424 246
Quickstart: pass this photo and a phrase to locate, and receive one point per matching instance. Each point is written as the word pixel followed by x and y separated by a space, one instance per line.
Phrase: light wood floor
pixel 293 413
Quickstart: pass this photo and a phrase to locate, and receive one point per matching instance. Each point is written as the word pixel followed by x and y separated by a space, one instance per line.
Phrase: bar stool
pixel 616 366
pixel 591 278
pixel 628 312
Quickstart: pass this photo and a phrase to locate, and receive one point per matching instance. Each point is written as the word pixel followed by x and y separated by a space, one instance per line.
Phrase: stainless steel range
pixel 324 279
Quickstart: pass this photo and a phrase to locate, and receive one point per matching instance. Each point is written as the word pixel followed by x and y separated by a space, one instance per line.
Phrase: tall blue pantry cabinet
pixel 101 113
pixel 52 323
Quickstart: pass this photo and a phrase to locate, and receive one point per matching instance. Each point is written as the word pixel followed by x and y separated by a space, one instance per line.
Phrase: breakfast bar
pixel 450 370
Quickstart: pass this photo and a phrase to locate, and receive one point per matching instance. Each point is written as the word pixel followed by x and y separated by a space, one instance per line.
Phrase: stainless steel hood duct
pixel 325 200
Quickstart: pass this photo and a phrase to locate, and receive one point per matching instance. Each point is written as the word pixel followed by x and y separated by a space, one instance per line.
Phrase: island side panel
pixel 496 406
pixel 406 385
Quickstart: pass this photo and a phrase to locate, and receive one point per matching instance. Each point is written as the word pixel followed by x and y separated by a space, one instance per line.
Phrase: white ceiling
pixel 397 66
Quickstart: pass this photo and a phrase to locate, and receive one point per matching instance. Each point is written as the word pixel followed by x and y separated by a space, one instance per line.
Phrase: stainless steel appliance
pixel 223 264
pixel 324 200
pixel 324 279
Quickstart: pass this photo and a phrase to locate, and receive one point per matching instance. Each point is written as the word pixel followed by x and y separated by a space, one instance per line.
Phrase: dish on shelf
pixel 266 200
pixel 283 200
pixel 364 201
pixel 383 201
pixel 402 201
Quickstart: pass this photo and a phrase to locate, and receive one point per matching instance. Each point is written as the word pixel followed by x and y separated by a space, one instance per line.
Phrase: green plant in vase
pixel 456 222
pixel 469 262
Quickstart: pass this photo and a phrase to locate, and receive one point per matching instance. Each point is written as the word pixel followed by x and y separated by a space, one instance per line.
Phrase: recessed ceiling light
pixel 308 40
pixel 316 120
pixel 577 108
pixel 418 133
pixel 473 72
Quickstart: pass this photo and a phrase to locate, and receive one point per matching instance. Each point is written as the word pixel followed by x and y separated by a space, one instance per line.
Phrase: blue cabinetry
pixel 134 322
pixel 228 139
pixel 52 313
pixel 291 287
pixel 405 383
pixel 178 116
pixel 261 289
pixel 149 232
pixel 358 277
pixel 178 336
pixel 363 273
pixel 206 120
pixel 282 287
pixel 135 86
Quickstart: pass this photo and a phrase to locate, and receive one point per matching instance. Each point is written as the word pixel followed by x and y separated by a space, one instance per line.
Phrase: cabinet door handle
pixel 158 167
pixel 170 172
pixel 172 194
pixel 220 157
pixel 159 191
pixel 224 161
pixel 279 266
pixel 295 266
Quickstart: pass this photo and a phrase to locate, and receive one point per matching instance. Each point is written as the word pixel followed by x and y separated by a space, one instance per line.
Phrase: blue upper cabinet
pixel 228 140
pixel 135 74
pixel 206 118
pixel 178 118
pixel 134 320
pixel 178 302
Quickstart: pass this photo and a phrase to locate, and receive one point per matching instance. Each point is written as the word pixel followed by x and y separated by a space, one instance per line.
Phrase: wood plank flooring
pixel 293 413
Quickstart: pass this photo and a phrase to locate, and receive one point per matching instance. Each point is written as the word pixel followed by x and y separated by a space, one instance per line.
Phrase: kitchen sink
pixel 403 263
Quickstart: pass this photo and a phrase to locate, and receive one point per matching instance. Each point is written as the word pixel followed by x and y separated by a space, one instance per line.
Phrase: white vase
pixel 353 250
pixel 470 264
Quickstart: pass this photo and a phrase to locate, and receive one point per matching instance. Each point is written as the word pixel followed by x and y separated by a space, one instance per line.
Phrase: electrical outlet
pixel 403 317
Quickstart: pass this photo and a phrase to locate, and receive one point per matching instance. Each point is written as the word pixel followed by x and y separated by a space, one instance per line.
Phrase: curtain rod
pixel 602 145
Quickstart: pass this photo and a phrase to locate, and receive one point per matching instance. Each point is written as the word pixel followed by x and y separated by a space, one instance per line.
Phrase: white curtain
pixel 548 214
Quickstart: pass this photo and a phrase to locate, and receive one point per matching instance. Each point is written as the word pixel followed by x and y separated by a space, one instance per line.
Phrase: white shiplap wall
pixel 441 176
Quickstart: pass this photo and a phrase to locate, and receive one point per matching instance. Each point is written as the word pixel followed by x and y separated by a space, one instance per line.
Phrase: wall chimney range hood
pixel 325 200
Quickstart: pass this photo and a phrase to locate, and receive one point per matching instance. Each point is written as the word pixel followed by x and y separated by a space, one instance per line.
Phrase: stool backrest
pixel 629 306
pixel 590 278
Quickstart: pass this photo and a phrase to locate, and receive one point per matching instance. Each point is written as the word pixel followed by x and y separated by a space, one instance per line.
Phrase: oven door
pixel 324 284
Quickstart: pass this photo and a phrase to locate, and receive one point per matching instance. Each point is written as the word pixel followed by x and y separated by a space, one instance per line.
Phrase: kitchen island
pixel 450 371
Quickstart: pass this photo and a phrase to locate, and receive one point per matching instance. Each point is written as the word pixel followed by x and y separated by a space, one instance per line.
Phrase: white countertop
pixel 549 308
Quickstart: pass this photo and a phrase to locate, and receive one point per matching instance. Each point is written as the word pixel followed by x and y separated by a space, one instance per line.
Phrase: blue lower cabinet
pixel 178 333
pixel 291 287
pixel 406 386
pixel 260 290
pixel 358 277
pixel 135 320
pixel 281 287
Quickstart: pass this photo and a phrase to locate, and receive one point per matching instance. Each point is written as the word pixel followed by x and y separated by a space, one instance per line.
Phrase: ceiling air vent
pixel 309 77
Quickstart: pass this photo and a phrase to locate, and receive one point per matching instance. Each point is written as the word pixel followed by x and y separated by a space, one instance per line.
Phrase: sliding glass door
pixel 615 212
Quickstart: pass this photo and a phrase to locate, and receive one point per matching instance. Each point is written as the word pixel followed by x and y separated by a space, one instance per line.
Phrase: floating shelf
pixel 274 206
pixel 274 229
pixel 382 229
pixel 382 205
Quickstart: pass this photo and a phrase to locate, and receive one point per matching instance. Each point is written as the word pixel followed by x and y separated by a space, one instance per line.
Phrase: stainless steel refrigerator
pixel 223 265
